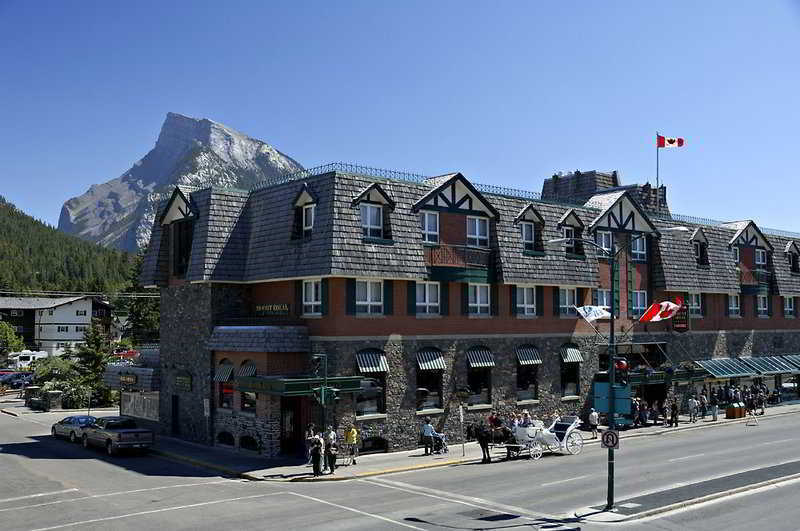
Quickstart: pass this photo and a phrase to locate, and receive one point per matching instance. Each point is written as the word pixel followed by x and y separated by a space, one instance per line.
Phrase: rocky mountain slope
pixel 190 151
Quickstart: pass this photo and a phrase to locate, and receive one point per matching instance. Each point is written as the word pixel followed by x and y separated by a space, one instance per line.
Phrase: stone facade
pixel 263 426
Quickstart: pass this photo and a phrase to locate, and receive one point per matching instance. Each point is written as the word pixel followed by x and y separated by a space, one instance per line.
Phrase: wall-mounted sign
pixel 127 379
pixel 272 309
pixel 680 321
pixel 183 383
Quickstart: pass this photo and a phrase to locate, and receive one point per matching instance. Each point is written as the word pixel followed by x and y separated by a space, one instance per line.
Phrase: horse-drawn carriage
pixel 562 436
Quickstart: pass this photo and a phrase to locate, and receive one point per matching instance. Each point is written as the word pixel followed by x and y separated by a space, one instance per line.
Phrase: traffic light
pixel 621 371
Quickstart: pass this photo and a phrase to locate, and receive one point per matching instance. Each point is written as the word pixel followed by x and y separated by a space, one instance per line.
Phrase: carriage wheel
pixel 536 451
pixel 574 443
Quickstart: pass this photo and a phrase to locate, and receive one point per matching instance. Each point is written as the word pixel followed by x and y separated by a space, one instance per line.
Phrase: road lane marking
pixel 684 458
pixel 776 442
pixel 37 495
pixel 562 481
pixel 154 511
pixel 379 517
pixel 71 500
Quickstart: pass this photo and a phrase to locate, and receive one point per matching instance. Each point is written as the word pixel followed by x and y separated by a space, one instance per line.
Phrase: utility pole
pixel 612 354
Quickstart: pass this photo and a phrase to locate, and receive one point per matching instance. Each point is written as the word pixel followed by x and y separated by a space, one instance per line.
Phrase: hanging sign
pixel 680 321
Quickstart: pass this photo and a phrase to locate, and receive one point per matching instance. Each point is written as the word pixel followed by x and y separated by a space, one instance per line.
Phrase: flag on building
pixel 593 313
pixel 665 141
pixel 661 311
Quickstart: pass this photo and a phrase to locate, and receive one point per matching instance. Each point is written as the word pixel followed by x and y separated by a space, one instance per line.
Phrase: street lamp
pixel 612 346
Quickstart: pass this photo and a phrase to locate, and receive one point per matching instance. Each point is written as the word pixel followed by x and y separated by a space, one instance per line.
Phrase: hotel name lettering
pixel 272 309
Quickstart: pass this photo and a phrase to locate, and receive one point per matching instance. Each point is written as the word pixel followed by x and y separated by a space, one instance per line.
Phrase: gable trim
pixel 571 214
pixel 749 242
pixel 307 191
pixel 362 197
pixel 615 212
pixel 465 203
pixel 187 213
pixel 529 208
pixel 791 247
pixel 699 235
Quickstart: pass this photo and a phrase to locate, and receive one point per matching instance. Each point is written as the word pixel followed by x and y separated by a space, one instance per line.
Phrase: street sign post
pixel 610 439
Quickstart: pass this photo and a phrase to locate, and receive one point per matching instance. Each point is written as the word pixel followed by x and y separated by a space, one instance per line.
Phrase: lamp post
pixel 612 346
pixel 324 389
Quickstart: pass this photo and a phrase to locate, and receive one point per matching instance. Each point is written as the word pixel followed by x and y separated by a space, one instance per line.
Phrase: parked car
pixel 17 380
pixel 72 427
pixel 116 433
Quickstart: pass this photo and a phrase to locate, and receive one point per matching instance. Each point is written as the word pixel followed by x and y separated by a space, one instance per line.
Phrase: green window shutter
pixel 324 286
pixel 411 297
pixel 350 296
pixel 769 305
pixel 513 298
pixel 494 295
pixel 388 297
pixel 742 305
pixel 615 287
pixel 556 301
pixel 795 307
pixel 727 304
pixel 298 297
pixel 464 298
pixel 444 298
pixel 595 297
pixel 631 271
pixel 580 296
pixel 540 300
pixel 703 304
pixel 755 305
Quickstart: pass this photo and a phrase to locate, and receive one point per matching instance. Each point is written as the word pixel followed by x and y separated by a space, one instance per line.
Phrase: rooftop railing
pixel 444 255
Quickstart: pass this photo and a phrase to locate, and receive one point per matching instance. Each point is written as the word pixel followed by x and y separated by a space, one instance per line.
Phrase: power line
pixel 80 294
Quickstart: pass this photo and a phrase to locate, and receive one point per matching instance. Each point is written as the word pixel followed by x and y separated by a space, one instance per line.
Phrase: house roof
pixel 36 303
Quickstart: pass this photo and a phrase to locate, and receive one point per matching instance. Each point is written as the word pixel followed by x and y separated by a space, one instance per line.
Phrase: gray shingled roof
pixel 35 303
pixel 260 339
pixel 786 282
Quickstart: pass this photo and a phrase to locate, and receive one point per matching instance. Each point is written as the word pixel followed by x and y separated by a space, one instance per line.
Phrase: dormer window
pixel 371 220
pixel 696 250
pixel 430 226
pixel 761 257
pixel 794 262
pixel 477 232
pixel 308 219
pixel 603 239
pixel 527 233
pixel 572 229
pixel 305 212
pixel 569 245
pixel 639 247
pixel 735 254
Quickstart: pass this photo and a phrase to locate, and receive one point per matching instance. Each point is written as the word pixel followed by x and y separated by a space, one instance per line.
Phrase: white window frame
pixel 368 230
pixel 50 311
pixel 62 329
pixel 528 244
pixel 639 248
pixel 606 295
pixel 735 253
pixel 696 245
pixel 477 304
pixel 763 254
pixel 80 313
pixel 17 313
pixel 474 239
pixel 565 306
pixel 426 306
pixel 81 328
pixel 600 237
pixel 368 305
pixel 312 208
pixel 734 309
pixel 788 306
pixel 429 235
pixel 526 303
pixel 569 245
pixel 765 309
pixel 312 305
pixel 637 308
pixel 695 305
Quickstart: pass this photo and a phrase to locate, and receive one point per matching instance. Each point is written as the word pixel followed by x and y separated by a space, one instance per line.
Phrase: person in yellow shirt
pixel 351 439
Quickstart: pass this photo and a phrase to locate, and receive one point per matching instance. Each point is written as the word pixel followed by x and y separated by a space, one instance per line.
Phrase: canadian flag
pixel 661 310
pixel 665 141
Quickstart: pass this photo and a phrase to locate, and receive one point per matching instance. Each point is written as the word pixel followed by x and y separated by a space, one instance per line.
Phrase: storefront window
pixel 527 382
pixel 372 398
pixel 225 399
pixel 479 381
pixel 570 373
pixel 249 402
pixel 429 389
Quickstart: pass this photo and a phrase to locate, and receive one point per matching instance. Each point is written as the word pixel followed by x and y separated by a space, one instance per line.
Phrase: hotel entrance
pixel 294 420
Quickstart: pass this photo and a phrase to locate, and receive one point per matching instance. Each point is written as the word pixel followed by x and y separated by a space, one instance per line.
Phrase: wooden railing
pixel 444 255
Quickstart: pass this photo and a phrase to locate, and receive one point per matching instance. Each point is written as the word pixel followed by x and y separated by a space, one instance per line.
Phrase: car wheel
pixel 53 432
pixel 85 441
pixel 72 437
pixel 110 448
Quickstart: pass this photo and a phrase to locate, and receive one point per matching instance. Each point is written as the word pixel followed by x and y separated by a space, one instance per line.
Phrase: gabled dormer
pixel 375 206
pixel 531 229
pixel 178 220
pixel 749 235
pixel 622 214
pixel 571 226
pixel 178 208
pixel 792 253
pixel 454 193
pixel 305 213
pixel 700 246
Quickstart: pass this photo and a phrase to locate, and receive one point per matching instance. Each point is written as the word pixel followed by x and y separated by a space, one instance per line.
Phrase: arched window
pixel 430 368
pixel 248 398
pixel 480 361
pixel 528 361
pixel 247 442
pixel 373 367
pixel 571 359
pixel 224 385
pixel 225 438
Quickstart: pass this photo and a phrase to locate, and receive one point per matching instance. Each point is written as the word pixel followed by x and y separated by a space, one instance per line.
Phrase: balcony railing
pixel 444 255
pixel 754 277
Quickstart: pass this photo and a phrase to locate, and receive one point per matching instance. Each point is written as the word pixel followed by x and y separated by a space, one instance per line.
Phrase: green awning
pixel 528 356
pixel 768 365
pixel 248 369
pixel 430 360
pixel 727 367
pixel 224 373
pixel 480 358
pixel 571 355
pixel 372 361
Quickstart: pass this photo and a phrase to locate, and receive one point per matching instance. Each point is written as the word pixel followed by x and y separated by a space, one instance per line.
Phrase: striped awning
pixel 528 356
pixel 248 369
pixel 224 373
pixel 770 365
pixel 727 367
pixel 793 359
pixel 571 355
pixel 430 360
pixel 480 358
pixel 372 361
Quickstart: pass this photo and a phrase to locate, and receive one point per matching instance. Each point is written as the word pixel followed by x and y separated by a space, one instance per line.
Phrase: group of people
pixel 644 413
pixel 322 448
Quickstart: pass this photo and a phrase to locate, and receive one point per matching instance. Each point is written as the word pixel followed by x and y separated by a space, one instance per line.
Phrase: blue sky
pixel 505 92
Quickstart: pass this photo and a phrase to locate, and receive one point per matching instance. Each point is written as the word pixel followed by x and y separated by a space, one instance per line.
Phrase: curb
pixel 373 473
pixel 9 412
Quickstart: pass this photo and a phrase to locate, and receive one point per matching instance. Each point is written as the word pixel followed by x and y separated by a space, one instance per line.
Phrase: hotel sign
pixel 127 379
pixel 272 309
pixel 680 321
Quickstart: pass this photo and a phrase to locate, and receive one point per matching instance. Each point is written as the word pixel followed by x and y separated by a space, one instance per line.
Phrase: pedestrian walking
pixel 351 440
pixel 714 404
pixel 483 434
pixel 692 409
pixel 594 420
pixel 310 438
pixel 427 435
pixel 674 419
pixel 703 405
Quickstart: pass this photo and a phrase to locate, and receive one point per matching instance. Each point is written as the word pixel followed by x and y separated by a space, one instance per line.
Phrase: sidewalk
pixel 258 468
pixel 16 407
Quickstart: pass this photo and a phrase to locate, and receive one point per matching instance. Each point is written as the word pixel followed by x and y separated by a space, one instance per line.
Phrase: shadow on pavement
pixel 490 516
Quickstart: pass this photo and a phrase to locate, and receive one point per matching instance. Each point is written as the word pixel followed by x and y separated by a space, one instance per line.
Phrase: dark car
pixel 116 433
pixel 72 427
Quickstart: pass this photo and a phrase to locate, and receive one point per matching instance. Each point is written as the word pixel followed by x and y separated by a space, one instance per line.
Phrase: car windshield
pixel 122 425
pixel 84 420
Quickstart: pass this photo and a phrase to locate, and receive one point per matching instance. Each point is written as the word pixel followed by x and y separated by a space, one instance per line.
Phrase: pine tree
pixel 144 315
pixel 93 354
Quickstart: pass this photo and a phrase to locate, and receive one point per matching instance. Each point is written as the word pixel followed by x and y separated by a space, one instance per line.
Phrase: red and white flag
pixel 660 311
pixel 665 141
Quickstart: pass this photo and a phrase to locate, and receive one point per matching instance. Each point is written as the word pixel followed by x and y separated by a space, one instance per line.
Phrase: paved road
pixel 50 484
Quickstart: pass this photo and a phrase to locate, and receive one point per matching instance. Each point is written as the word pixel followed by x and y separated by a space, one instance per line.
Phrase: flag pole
pixel 658 182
